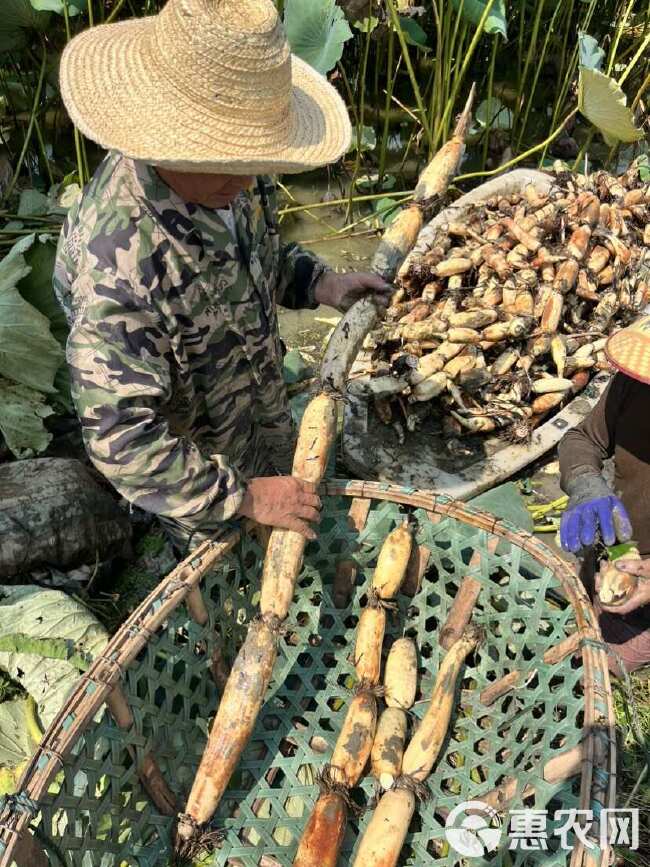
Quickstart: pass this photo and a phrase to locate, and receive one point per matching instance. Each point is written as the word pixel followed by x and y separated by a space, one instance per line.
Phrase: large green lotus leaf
pixel 36 287
pixel 602 102
pixel 29 354
pixel 17 18
pixel 74 6
pixel 317 31
pixel 47 637
pixel 473 11
pixel 22 411
pixel 19 736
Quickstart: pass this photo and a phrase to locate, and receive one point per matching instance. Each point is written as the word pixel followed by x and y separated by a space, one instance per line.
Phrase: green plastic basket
pixel 107 780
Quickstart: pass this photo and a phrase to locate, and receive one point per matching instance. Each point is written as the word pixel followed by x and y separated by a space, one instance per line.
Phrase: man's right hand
pixel 282 501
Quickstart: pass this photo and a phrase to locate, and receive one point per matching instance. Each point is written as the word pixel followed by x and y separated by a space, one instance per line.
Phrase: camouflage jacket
pixel 174 351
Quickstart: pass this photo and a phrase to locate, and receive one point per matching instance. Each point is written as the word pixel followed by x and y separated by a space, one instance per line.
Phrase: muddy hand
pixel 284 502
pixel 342 290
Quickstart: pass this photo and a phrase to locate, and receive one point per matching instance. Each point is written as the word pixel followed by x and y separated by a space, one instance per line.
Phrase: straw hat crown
pixel 204 85
pixel 629 349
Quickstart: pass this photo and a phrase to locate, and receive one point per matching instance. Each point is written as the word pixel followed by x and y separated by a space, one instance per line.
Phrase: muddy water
pixel 308 329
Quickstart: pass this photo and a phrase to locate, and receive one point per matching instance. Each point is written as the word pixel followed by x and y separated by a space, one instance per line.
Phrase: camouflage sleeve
pixel 120 382
pixel 299 270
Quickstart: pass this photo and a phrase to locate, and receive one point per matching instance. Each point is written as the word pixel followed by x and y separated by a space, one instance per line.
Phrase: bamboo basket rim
pixel 598 777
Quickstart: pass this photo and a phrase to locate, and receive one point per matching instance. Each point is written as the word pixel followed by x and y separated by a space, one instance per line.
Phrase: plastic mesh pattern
pixel 97 814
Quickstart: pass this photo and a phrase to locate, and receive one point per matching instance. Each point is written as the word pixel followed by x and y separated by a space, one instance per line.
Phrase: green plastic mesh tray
pixel 107 780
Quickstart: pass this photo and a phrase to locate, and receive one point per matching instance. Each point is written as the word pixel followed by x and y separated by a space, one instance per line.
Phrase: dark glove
pixel 592 509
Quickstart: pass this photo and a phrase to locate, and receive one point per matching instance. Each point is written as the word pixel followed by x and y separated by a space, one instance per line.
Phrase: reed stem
pixel 30 127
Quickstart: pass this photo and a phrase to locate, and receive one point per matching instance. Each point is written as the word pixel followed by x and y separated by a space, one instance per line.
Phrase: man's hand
pixel 282 501
pixel 342 290
pixel 640 596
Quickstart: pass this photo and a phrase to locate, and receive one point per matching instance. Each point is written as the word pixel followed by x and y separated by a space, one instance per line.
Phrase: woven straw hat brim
pixel 118 97
pixel 629 351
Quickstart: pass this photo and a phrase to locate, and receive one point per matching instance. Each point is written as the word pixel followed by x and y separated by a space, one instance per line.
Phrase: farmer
pixel 170 267
pixel 618 427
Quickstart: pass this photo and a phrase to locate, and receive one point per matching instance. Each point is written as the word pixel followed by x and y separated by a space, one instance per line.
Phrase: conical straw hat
pixel 204 86
pixel 629 350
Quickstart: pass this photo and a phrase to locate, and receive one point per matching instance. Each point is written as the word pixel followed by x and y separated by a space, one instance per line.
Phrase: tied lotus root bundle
pixel 384 836
pixel 325 828
pixel 495 325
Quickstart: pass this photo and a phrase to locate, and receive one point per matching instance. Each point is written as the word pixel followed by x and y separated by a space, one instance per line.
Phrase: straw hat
pixel 629 350
pixel 204 86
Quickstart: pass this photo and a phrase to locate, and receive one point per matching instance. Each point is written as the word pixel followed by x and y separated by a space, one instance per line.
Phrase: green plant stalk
pixel 583 150
pixel 115 11
pixel 567 30
pixel 447 73
pixel 91 14
pixel 454 36
pixel 640 52
pixel 571 68
pixel 390 82
pixel 612 156
pixel 409 66
pixel 41 143
pixel 30 127
pixel 532 47
pixel 364 233
pixel 308 212
pixel 459 50
pixel 642 89
pixel 437 86
pixel 490 91
pixel 622 21
pixel 539 63
pixel 520 41
pixel 364 219
pixel 84 155
pixel 348 90
pixel 405 194
pixel 379 64
pixel 525 155
pixel 77 134
pixel 470 51
pixel 361 115
pixel 407 150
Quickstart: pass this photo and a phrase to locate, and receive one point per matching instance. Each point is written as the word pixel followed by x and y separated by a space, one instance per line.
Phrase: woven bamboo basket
pixel 533 723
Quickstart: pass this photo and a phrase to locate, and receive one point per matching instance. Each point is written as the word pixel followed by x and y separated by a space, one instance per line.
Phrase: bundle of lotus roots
pixel 505 316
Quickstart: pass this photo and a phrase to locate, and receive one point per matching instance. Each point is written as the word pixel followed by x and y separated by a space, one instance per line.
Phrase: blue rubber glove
pixel 593 509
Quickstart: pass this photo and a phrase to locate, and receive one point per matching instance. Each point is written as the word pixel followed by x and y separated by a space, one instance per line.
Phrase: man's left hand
pixel 342 290
pixel 640 596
